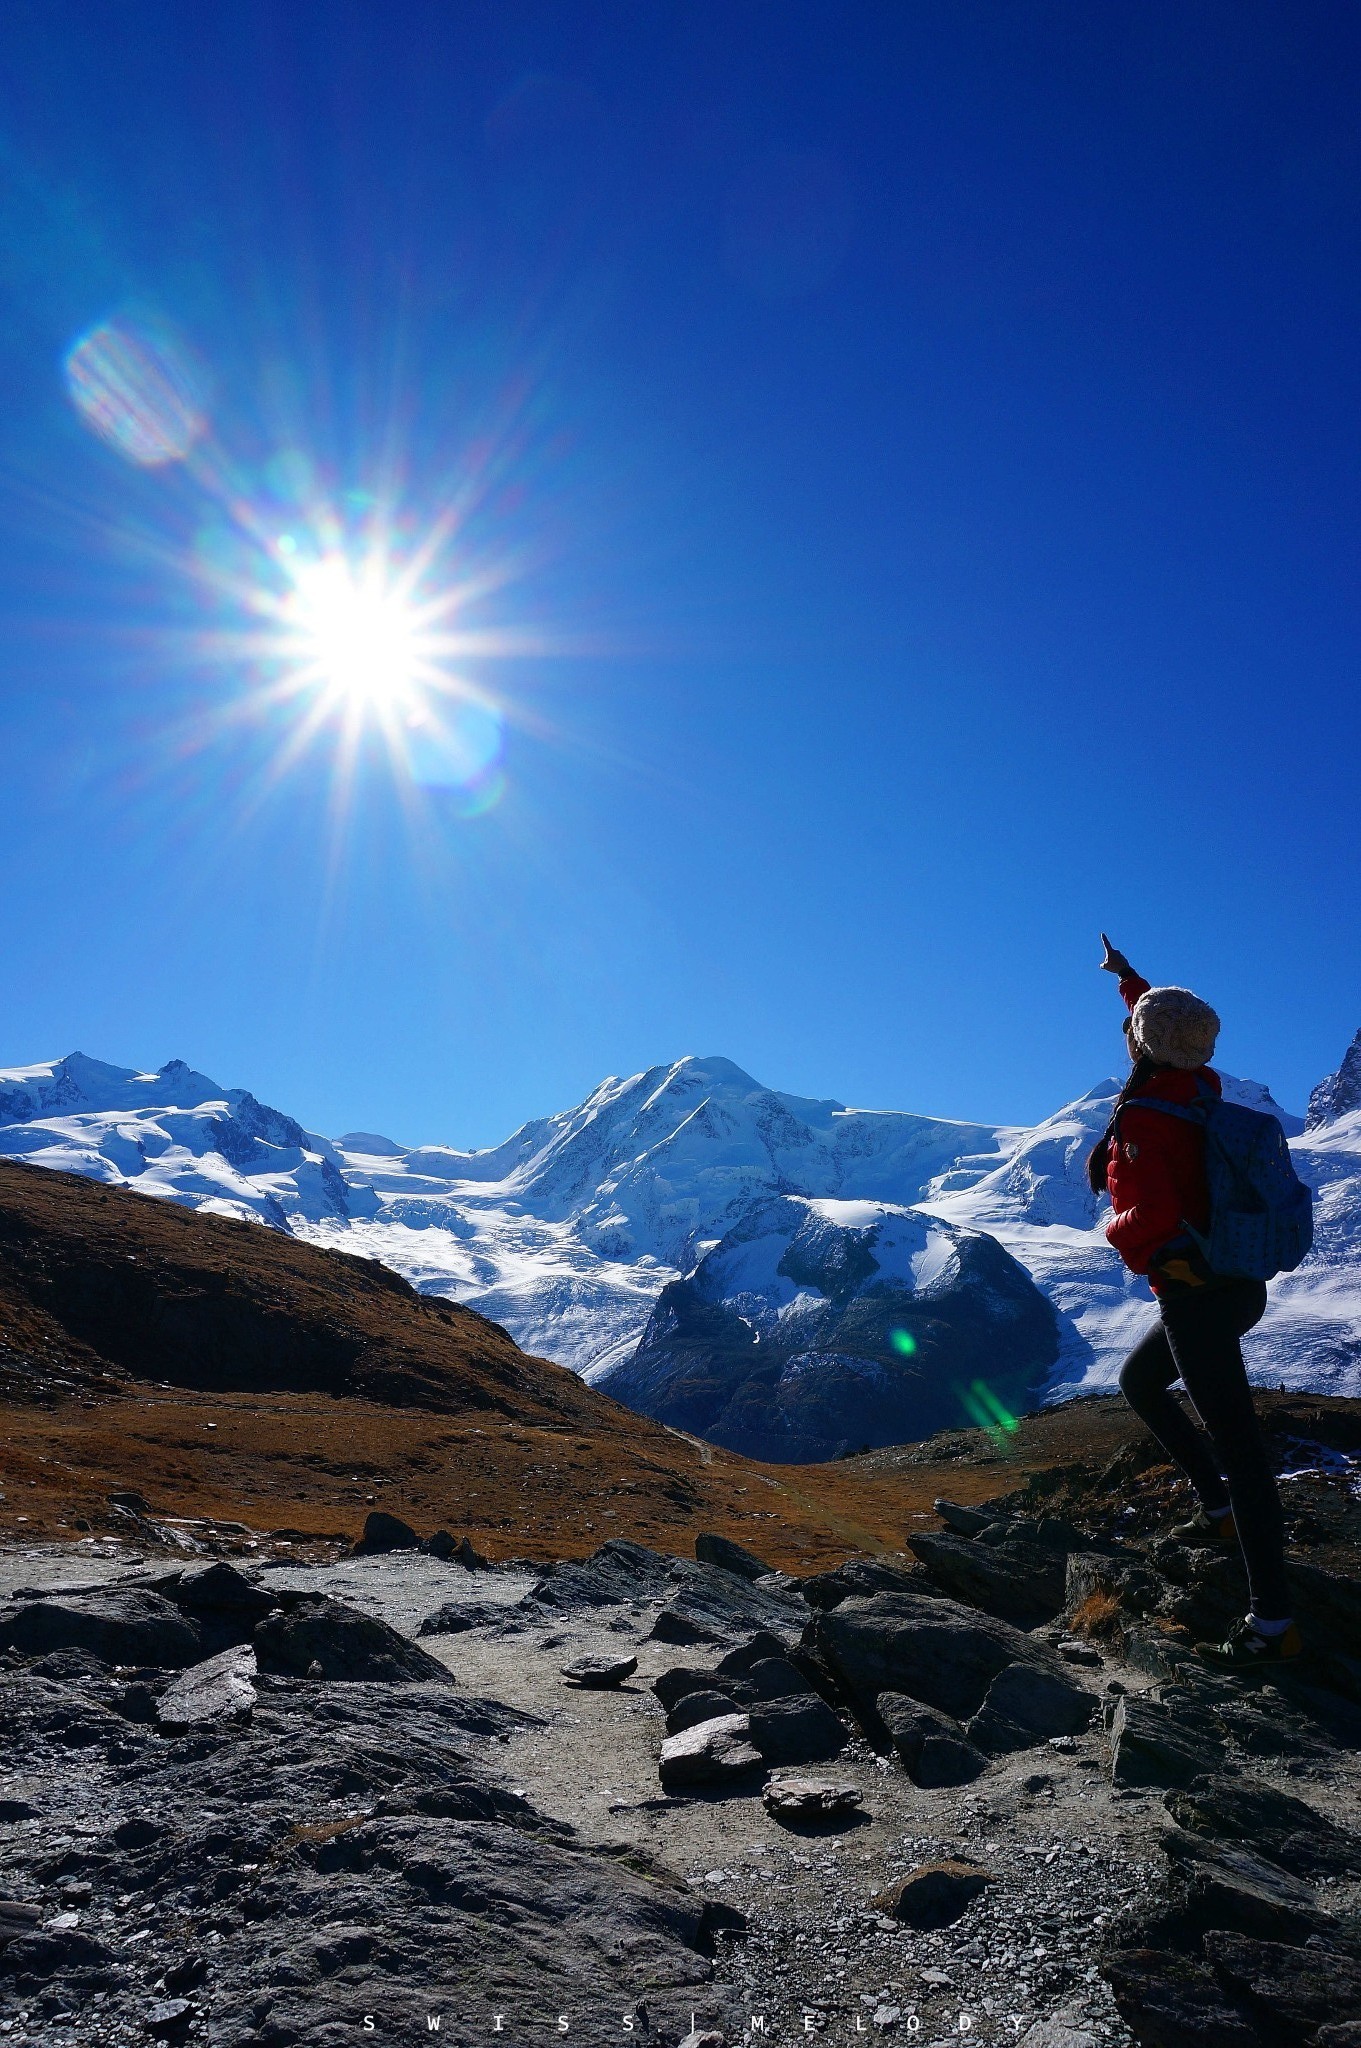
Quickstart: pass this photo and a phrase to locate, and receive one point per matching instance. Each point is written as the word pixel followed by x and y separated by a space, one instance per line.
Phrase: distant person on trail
pixel 1152 1164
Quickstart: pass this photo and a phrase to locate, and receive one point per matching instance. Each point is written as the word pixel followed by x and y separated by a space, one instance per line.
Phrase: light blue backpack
pixel 1261 1212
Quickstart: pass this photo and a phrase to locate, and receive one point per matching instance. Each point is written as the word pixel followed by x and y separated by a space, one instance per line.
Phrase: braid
pixel 1139 1073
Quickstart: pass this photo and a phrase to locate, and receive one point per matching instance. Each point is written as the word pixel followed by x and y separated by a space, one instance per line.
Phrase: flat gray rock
pixel 598 1674
pixel 810 1799
pixel 711 1753
pixel 221 1689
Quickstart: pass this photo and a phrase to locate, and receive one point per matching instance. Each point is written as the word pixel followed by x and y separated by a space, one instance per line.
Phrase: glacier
pixel 569 1231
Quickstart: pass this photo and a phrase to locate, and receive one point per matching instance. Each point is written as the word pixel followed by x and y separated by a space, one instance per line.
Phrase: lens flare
pixel 986 1412
pixel 136 386
pixel 903 1342
pixel 352 632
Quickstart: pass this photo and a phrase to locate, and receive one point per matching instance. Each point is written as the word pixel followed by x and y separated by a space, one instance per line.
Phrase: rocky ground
pixel 279 1801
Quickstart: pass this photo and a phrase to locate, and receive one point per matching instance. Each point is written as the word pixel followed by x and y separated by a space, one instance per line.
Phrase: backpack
pixel 1261 1212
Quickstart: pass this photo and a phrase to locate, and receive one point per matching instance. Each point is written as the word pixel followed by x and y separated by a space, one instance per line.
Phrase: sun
pixel 353 633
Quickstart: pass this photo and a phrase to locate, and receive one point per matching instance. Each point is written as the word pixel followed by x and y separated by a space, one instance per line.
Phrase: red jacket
pixel 1155 1165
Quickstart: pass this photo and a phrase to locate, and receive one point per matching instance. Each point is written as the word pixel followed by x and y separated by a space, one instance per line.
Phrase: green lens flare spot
pixel 903 1342
pixel 986 1412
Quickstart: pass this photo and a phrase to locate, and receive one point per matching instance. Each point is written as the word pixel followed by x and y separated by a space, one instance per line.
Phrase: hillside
pixel 258 1392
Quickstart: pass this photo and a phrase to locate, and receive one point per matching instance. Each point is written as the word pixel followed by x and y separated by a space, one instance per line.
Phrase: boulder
pixel 117 1626
pixel 1175 2001
pixel 730 1557
pixel 694 1707
pixel 860 1578
pixel 168 2017
pixel 1016 1580
pixel 934 1650
pixel 455 1616
pixel 344 1643
pixel 1025 1706
pixel 1151 1745
pixel 758 1648
pixel 809 1800
pixel 769 1678
pixel 717 1752
pixel 220 1690
pixel 1295 1988
pixel 221 1599
pixel 934 1895
pixel 796 1729
pixel 1284 1829
pixel 384 1532
pixel 598 1674
pixel 964 1521
pixel 933 1747
pixel 455 1550
pixel 673 1684
pixel 1228 1885
pixel 17 1917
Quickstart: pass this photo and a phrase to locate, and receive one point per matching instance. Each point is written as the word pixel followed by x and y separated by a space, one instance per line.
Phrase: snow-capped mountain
pixel 569 1231
pixel 818 1327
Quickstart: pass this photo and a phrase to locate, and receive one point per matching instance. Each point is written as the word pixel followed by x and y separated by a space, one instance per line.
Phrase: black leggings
pixel 1196 1340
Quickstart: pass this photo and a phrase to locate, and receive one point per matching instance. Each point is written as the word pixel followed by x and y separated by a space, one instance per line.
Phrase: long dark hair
pixel 1097 1158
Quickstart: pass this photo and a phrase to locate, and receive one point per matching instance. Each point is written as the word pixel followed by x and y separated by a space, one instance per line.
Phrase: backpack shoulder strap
pixel 1186 1113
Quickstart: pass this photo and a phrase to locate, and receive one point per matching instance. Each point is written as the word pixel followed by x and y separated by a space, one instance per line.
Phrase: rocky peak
pixel 1339 1093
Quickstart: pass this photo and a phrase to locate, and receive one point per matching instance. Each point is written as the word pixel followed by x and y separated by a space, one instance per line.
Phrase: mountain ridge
pixel 569 1230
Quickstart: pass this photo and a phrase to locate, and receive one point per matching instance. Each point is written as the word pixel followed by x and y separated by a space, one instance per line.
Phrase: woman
pixel 1153 1166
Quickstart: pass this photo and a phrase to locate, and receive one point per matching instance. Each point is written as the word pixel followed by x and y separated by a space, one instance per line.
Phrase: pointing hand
pixel 1115 961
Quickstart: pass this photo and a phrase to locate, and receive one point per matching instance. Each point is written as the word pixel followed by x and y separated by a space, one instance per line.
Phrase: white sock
pixel 1269 1628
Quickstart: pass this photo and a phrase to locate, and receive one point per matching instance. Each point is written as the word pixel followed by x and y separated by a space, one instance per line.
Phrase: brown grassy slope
pixel 225 1370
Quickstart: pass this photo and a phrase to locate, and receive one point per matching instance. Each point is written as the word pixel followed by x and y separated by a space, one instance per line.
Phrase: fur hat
pixel 1174 1027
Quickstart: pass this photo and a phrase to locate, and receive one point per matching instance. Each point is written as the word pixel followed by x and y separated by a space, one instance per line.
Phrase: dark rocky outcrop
pixel 117 1627
pixel 1305 1843
pixel 932 1649
pixel 798 1338
pixel 367 1856
pixel 730 1556
pixel 320 1637
pixel 1025 1705
pixel 1017 1579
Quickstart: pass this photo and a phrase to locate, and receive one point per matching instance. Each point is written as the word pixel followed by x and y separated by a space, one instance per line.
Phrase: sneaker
pixel 1204 1527
pixel 1246 1650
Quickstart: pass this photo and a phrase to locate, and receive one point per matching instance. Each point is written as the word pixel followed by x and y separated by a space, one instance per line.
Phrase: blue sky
pixel 900 474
